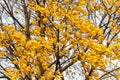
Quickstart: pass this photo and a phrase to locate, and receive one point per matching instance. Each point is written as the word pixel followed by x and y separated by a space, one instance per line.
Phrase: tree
pixel 52 39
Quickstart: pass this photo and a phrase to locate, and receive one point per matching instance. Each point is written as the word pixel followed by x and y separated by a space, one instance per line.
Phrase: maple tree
pixel 49 39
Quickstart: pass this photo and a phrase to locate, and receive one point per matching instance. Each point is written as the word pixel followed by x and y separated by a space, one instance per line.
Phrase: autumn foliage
pixel 59 39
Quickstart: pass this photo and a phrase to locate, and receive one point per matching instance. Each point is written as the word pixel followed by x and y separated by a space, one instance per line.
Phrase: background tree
pixel 59 39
